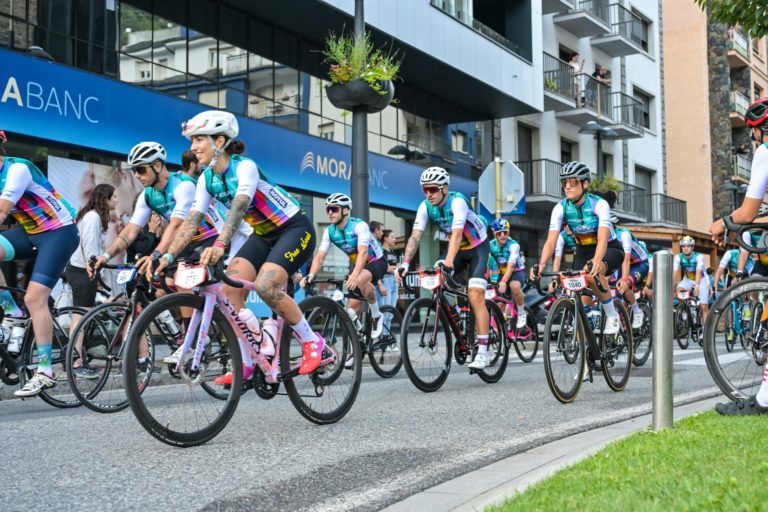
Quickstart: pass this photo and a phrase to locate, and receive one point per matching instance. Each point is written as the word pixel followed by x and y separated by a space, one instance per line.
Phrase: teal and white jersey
pixel 454 214
pixel 632 246
pixel 564 241
pixel 688 264
pixel 583 220
pixel 500 256
pixel 730 261
pixel 353 235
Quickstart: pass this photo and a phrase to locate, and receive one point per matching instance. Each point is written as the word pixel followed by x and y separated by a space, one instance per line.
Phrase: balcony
pixel 594 102
pixel 664 209
pixel 555 6
pixel 742 166
pixel 430 145
pixel 449 7
pixel 739 106
pixel 738 49
pixel 632 203
pixel 628 34
pixel 542 182
pixel 587 18
pixel 559 90
pixel 628 116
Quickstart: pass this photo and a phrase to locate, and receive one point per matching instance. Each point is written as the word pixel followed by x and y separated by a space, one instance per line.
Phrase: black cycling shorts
pixel 377 269
pixel 288 247
pixel 475 260
pixel 614 256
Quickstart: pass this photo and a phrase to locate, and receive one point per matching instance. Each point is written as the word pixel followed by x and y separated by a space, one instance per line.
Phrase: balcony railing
pixel 632 200
pixel 667 209
pixel 739 103
pixel 542 177
pixel 628 25
pixel 742 166
pixel 431 145
pixel 597 8
pixel 595 95
pixel 627 111
pixel 449 7
pixel 739 42
pixel 558 76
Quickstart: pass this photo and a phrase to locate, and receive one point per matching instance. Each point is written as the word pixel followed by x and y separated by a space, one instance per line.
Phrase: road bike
pixel 687 318
pixel 525 339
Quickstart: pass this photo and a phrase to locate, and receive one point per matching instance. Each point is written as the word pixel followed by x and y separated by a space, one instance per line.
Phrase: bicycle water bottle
pixel 355 319
pixel 5 334
pixel 167 320
pixel 17 334
pixel 268 336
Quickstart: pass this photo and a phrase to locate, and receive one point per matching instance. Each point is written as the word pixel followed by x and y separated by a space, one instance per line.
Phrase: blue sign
pixel 58 103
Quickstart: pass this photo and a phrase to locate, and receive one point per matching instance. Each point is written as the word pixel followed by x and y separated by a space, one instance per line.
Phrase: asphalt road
pixel 395 441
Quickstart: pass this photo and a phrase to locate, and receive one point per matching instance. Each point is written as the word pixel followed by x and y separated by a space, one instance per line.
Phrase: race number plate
pixel 125 276
pixel 490 293
pixel 189 277
pixel 683 294
pixel 429 281
pixel 574 283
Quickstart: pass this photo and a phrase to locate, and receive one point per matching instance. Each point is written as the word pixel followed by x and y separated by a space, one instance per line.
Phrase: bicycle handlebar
pixel 739 229
pixel 567 273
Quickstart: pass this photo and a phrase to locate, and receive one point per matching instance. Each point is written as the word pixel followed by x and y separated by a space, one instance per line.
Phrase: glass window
pixel 458 141
pixel 216 99
pixel 566 151
pixel 325 131
pixel 647 102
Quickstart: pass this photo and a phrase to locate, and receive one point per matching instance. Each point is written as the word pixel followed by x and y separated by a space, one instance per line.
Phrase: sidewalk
pixel 495 482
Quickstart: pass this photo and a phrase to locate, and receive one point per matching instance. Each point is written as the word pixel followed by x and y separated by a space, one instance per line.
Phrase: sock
pixel 44 354
pixel 609 308
pixel 375 312
pixel 482 342
pixel 521 309
pixel 245 350
pixel 142 359
pixel 762 394
pixel 635 307
pixel 304 331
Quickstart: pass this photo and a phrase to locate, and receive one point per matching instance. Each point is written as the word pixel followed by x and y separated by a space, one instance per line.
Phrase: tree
pixel 751 15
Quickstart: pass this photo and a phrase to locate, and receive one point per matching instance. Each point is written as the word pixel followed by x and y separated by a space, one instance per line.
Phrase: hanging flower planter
pixel 359 93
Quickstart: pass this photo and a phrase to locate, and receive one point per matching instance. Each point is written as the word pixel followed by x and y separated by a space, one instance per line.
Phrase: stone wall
pixel 13 18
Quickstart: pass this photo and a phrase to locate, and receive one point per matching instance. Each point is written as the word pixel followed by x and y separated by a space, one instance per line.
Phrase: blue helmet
pixel 500 225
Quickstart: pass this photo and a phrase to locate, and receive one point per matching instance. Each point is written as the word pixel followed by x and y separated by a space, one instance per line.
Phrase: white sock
pixel 609 308
pixel 635 308
pixel 245 350
pixel 482 349
pixel 762 394
pixel 521 309
pixel 375 312
pixel 304 331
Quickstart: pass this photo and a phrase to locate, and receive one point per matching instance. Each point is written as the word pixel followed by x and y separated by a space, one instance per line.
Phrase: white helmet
pixel 146 153
pixel 338 199
pixel 436 175
pixel 211 122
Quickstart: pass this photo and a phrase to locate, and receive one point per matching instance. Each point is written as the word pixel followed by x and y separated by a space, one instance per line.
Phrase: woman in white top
pixel 92 221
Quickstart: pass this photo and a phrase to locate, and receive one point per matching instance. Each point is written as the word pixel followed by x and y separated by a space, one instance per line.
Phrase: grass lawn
pixel 707 462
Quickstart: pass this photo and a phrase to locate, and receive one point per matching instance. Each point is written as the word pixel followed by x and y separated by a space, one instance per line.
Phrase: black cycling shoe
pixel 746 407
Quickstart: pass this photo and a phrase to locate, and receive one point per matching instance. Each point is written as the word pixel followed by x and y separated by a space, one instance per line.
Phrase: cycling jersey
pixel 730 260
pixel 689 264
pixel 756 239
pixel 454 214
pixel 348 239
pixel 270 208
pixel 632 246
pixel 36 204
pixel 758 182
pixel 500 256
pixel 564 240
pixel 583 220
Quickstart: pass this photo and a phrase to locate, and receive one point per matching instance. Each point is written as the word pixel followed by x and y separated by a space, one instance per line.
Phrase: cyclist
pixel 467 246
pixel 353 237
pixel 691 264
pixel 588 217
pixel 509 269
pixel 734 267
pixel 756 119
pixel 648 288
pixel 283 238
pixel 754 239
pixel 634 271
pixel 48 229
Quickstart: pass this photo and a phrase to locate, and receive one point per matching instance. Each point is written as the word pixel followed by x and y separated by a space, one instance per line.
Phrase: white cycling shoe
pixel 612 325
pixel 480 362
pixel 637 319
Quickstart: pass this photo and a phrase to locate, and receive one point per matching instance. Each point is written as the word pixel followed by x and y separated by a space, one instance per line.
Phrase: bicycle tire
pixel 429 349
pixel 527 348
pixel 60 396
pixel 757 313
pixel 157 407
pixel 730 327
pixel 682 326
pixel 309 393
pixel 564 383
pixel 498 348
pixel 616 361
pixel 385 361
pixel 644 339
pixel 738 374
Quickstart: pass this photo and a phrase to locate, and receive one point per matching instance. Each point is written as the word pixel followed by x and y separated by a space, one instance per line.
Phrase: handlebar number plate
pixel 189 277
pixel 573 283
pixel 490 294
pixel 125 276
pixel 429 281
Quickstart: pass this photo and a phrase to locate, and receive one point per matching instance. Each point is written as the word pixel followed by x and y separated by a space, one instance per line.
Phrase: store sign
pixel 58 103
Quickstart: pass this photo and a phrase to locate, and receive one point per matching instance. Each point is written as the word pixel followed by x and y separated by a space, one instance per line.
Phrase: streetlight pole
pixel 360 139
pixel 600 159
pixel 599 132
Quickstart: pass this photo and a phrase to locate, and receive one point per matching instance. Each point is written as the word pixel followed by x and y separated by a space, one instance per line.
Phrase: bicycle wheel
pixel 184 408
pixel 682 325
pixel 327 394
pixel 527 339
pixel 425 345
pixel 644 339
pixel 739 373
pixel 754 320
pixel 564 350
pixel 617 350
pixel 104 330
pixel 730 326
pixel 384 353
pixel 61 395
pixel 498 349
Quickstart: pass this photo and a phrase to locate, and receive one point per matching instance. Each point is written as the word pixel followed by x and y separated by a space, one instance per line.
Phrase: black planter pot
pixel 358 93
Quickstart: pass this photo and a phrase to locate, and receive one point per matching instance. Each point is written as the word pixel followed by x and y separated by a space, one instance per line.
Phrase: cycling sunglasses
pixel 432 190
pixel 332 209
pixel 141 169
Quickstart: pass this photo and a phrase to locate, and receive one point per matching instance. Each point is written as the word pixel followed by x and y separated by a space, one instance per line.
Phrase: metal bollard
pixel 662 340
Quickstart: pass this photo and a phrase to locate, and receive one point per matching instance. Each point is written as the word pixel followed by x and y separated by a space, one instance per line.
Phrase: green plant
pixel 550 84
pixel 606 184
pixel 355 57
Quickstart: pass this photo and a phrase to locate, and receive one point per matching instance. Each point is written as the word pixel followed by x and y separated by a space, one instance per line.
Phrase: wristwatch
pixel 156 254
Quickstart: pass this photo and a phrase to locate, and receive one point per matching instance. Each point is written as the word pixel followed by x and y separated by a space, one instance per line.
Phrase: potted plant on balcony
pixel 361 75
pixel 608 188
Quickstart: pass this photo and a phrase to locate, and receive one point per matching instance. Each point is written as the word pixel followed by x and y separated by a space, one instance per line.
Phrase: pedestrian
pixel 377 231
pixel 388 281
pixel 92 222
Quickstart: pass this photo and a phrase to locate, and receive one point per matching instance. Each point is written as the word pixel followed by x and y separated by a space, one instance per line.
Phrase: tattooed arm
pixel 184 234
pixel 234 218
pixel 412 245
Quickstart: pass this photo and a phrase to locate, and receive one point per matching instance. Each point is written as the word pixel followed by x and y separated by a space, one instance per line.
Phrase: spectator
pixel 388 281
pixel 577 78
pixel 377 230
pixel 601 75
pixel 189 165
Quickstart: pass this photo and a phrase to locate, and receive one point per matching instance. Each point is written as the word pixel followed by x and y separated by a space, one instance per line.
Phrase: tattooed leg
pixel 269 286
pixel 241 269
